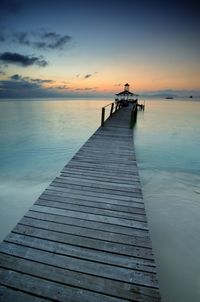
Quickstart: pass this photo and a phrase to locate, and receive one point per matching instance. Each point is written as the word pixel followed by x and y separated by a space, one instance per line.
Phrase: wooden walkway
pixel 86 238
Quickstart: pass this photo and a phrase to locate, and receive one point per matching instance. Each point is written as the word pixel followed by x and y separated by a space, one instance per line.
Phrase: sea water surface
pixel 167 139
pixel 37 138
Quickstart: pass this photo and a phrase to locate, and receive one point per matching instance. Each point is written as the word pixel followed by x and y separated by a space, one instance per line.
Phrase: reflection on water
pixel 167 139
pixel 37 139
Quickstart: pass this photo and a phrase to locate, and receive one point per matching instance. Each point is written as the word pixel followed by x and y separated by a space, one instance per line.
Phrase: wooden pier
pixel 86 238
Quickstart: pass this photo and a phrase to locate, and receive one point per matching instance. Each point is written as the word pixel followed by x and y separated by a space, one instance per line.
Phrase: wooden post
pixel 102 116
pixel 117 106
pixel 111 109
pixel 133 117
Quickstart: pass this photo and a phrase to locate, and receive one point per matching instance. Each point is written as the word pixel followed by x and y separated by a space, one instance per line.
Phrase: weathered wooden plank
pixel 90 210
pixel 80 280
pixel 88 216
pixel 91 157
pixel 8 294
pixel 111 154
pixel 117 136
pixel 49 289
pixel 87 192
pixel 123 148
pixel 97 244
pixel 119 146
pixel 99 177
pixel 85 150
pixel 125 202
pixel 134 208
pixel 99 159
pixel 104 257
pixel 110 171
pixel 119 133
pixel 84 223
pixel 105 169
pixel 119 210
pixel 135 203
pixel 99 184
pixel 91 161
pixel 101 173
pixel 112 145
pixel 86 232
pixel 98 151
pixel 84 266
pixel 106 166
pixel 134 170
pixel 121 192
pixel 94 157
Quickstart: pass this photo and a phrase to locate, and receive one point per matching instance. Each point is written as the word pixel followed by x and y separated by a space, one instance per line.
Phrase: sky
pixel 92 48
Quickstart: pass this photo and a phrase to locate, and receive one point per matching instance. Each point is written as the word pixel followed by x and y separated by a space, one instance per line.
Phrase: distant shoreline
pixel 142 98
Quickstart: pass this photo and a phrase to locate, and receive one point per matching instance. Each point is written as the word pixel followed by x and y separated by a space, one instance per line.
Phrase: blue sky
pixel 91 48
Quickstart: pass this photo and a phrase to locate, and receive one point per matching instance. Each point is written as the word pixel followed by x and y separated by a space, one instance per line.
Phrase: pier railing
pixel 109 110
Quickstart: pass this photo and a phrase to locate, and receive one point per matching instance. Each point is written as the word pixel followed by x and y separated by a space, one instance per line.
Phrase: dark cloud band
pixel 23 60
pixel 17 86
pixel 17 77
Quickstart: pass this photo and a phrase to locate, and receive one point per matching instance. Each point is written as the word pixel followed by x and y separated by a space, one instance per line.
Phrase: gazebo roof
pixel 125 93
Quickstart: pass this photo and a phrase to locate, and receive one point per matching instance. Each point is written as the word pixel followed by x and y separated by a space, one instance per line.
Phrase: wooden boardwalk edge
pixel 86 238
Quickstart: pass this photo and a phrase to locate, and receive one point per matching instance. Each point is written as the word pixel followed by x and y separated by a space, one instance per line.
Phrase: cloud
pixel 18 86
pixel 17 77
pixel 21 38
pixel 39 40
pixel 62 87
pixel 55 41
pixel 87 76
pixel 10 85
pixel 39 81
pixel 92 89
pixel 22 60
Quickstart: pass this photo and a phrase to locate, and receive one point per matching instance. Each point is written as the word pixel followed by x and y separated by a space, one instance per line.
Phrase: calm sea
pixel 38 138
